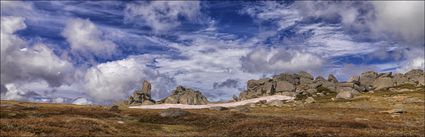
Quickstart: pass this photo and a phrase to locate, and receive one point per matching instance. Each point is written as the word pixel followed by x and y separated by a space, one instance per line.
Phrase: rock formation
pixel 182 95
pixel 303 85
pixel 300 85
pixel 142 95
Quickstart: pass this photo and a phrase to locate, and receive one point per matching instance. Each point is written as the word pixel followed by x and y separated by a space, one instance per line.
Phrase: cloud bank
pixel 90 52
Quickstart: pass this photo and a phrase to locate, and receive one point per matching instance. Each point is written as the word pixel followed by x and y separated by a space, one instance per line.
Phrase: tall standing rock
pixel 146 89
pixel 142 96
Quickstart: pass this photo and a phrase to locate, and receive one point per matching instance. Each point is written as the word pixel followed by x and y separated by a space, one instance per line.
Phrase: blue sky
pixel 99 52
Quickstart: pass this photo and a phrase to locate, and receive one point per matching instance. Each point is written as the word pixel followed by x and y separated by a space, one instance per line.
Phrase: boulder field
pixel 301 85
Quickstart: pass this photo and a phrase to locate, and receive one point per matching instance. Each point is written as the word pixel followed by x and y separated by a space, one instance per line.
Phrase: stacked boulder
pixel 142 96
pixel 302 83
pixel 287 84
pixel 182 95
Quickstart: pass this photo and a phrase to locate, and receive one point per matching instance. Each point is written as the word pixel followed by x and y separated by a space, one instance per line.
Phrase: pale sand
pixel 230 104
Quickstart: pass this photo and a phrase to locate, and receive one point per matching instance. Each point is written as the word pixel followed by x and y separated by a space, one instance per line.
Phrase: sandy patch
pixel 231 104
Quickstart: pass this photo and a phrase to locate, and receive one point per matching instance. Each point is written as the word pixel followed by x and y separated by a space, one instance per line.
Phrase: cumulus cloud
pixel 404 18
pixel 12 93
pixel 414 59
pixel 206 59
pixel 22 62
pixel 114 80
pixel 162 15
pixel 279 60
pixel 86 39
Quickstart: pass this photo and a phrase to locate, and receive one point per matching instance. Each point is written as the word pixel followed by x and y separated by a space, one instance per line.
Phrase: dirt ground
pixel 368 114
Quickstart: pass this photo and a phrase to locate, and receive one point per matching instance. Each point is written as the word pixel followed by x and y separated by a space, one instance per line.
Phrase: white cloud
pixel 22 62
pixel 116 80
pixel 204 61
pixel 279 60
pixel 404 18
pixel 86 39
pixel 162 15
pixel 12 93
pixel 415 59
pixel 16 7
pixel 280 14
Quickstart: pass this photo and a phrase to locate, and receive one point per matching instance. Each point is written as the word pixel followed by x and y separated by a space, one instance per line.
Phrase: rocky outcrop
pixel 415 76
pixel 300 85
pixel 344 95
pixel 303 85
pixel 400 79
pixel 182 95
pixel 142 95
pixel 367 79
pixel 383 83
pixel 284 86
pixel 332 78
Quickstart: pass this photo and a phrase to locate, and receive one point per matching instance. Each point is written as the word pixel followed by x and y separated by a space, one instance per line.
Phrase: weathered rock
pixel 332 78
pixel 235 98
pixel 354 79
pixel 182 95
pixel 291 78
pixel 305 78
pixel 309 100
pixel 400 79
pixel 319 79
pixel 303 74
pixel 350 89
pixel 359 88
pixel 257 88
pixel 148 102
pixel 367 78
pixel 146 89
pixel 388 74
pixel 284 86
pixel 383 83
pixel 141 95
pixel 321 82
pixel 173 112
pixel 344 95
pixel 416 76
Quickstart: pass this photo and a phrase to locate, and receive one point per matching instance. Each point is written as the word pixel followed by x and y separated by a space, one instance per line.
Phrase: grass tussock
pixel 358 117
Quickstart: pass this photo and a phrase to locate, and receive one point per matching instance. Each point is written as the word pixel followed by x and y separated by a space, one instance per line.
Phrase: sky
pixel 99 52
